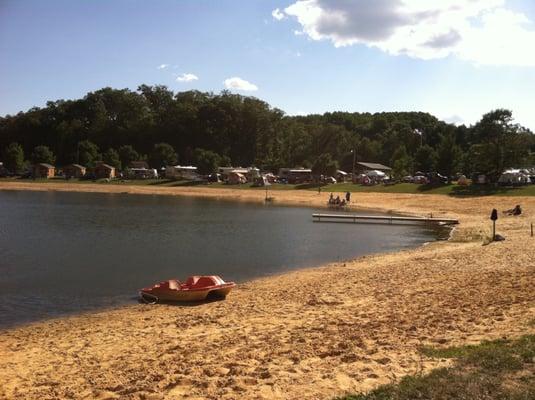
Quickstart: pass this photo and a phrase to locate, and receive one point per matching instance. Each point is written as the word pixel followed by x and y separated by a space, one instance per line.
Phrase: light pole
pixel 354 151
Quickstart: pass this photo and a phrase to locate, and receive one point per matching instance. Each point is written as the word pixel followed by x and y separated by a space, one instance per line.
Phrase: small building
pixel 138 165
pixel 250 173
pixel 104 171
pixel 373 169
pixel 74 171
pixel 366 166
pixel 187 172
pixel 43 170
pixel 141 173
pixel 514 177
pixel 296 175
pixel 225 171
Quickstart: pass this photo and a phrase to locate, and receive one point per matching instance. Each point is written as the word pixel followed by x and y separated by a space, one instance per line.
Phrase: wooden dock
pixel 381 219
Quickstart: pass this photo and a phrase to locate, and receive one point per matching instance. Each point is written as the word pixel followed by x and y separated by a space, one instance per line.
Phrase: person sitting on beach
pixel 342 203
pixel 514 211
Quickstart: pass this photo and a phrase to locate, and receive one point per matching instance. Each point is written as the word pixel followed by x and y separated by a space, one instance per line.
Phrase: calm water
pixel 69 252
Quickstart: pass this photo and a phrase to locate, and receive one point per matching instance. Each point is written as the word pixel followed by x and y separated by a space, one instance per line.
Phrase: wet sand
pixel 314 333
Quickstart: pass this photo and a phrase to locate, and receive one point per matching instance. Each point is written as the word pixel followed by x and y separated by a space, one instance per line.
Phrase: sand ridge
pixel 314 333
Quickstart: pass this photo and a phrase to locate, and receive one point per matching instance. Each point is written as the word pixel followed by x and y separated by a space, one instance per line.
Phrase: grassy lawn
pixel 496 370
pixel 450 190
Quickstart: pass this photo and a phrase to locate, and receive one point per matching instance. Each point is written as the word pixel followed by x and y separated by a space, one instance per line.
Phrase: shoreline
pixel 314 332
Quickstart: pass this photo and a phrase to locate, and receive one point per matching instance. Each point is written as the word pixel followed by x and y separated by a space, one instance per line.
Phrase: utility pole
pixel 354 151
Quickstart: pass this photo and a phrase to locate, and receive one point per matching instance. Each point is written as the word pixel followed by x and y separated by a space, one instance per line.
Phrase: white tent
pixel 375 173
pixel 514 177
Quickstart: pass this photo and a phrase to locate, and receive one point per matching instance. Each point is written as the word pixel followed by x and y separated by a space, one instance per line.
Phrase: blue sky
pixel 456 60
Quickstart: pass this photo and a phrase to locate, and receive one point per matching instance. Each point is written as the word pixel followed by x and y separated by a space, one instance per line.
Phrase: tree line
pixel 155 124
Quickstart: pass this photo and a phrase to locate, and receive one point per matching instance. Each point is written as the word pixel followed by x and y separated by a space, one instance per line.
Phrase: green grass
pixel 496 370
pixel 450 190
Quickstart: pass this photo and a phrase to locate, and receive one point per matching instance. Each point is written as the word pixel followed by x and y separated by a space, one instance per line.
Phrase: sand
pixel 312 334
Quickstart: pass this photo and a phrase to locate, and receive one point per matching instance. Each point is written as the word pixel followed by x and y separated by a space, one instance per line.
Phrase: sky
pixel 456 59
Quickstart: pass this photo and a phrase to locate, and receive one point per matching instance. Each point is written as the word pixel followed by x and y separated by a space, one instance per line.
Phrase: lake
pixel 64 253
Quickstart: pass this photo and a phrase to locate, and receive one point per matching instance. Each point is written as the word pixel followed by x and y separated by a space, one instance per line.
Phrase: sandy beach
pixel 310 334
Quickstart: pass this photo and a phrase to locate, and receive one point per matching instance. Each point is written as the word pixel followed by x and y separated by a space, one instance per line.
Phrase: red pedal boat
pixel 196 288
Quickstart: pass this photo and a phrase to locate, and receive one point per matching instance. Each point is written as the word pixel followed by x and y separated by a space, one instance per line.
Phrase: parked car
pixel 214 178
pixel 420 180
pixel 435 177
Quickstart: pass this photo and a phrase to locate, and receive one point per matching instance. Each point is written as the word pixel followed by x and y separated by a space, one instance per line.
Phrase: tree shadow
pixel 481 190
pixel 208 300
pixel 160 182
pixel 189 183
pixel 174 183
pixel 307 186
pixel 469 190
pixel 431 186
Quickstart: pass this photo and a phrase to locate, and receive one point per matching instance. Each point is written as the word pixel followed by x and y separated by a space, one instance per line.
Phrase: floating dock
pixel 381 219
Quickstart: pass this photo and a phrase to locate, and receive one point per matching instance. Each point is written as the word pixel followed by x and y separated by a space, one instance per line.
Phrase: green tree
pixel 162 155
pixel 324 165
pixel 42 154
pixel 449 156
pixel 111 157
pixel 506 144
pixel 402 163
pixel 14 157
pixel 206 161
pixel 127 154
pixel 425 159
pixel 225 161
pixel 479 158
pixel 88 153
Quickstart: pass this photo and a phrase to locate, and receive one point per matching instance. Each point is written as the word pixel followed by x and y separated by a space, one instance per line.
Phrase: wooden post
pixel 494 217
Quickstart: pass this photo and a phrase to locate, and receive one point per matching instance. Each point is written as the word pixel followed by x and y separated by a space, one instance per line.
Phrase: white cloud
pixel 278 14
pixel 483 32
pixel 163 66
pixel 455 119
pixel 187 78
pixel 239 84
